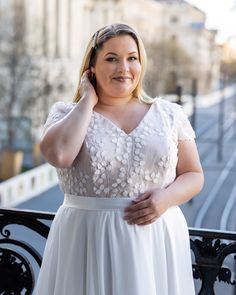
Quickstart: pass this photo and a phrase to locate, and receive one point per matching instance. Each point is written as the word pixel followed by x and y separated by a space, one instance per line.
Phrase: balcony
pixel 213 254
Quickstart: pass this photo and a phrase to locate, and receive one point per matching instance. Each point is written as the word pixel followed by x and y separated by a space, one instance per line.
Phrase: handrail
pixel 210 248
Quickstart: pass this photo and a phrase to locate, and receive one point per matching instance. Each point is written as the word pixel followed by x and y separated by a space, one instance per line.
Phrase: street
pixel 214 207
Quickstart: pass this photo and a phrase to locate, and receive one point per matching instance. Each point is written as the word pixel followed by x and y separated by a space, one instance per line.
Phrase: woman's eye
pixel 133 58
pixel 111 59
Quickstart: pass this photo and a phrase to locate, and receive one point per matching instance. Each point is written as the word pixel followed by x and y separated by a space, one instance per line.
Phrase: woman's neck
pixel 108 103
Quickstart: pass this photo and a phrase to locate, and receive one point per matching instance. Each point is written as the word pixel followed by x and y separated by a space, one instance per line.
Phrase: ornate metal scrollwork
pixel 16 273
pixel 28 219
pixel 17 276
pixel 210 253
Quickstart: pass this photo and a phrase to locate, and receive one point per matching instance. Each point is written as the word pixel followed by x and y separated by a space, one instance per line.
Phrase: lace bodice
pixel 112 163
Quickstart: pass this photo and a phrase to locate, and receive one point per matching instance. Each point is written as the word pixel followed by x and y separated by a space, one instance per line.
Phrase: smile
pixel 122 79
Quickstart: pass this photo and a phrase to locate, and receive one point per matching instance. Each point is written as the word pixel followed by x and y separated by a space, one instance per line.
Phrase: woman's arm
pixel 190 178
pixel 62 141
pixel 189 181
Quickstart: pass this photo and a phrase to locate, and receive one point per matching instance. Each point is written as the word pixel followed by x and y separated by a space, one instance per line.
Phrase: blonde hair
pixel 96 43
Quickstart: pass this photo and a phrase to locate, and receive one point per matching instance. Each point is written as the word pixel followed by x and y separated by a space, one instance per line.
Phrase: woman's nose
pixel 123 66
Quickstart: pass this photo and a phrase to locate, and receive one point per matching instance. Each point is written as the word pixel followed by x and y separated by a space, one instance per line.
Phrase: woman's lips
pixel 122 79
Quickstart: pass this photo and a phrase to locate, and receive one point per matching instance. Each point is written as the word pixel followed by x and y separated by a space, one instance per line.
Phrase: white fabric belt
pixel 96 203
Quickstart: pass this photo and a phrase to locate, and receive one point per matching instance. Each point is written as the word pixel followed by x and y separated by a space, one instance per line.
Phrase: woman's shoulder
pixel 58 110
pixel 166 103
pixel 167 106
pixel 62 106
pixel 174 113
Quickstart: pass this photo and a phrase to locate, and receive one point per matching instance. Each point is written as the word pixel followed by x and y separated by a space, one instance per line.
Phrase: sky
pixel 221 15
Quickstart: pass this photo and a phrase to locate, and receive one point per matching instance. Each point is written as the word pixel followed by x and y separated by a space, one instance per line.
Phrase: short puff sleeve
pixel 184 128
pixel 57 112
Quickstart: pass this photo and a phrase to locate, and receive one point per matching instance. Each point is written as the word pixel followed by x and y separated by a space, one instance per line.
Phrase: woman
pixel 125 162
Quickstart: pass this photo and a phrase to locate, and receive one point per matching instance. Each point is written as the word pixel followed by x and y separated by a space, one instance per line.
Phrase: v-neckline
pixel 117 127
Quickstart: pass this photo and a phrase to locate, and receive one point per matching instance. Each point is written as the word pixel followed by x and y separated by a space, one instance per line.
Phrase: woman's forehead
pixel 120 43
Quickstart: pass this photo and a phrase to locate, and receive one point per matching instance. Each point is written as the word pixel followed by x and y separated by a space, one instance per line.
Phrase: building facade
pixel 64 27
pixel 57 31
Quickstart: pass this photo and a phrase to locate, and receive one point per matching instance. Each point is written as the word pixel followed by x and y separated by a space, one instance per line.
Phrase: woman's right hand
pixel 86 88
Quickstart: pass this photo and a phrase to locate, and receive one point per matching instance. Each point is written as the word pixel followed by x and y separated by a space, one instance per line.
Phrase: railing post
pixel 179 94
pixel 194 104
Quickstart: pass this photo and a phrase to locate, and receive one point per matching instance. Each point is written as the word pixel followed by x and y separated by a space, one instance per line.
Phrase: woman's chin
pixel 121 94
pixel 122 91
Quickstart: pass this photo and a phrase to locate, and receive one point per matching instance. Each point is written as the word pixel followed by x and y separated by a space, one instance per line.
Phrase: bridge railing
pixel 214 253
pixel 27 185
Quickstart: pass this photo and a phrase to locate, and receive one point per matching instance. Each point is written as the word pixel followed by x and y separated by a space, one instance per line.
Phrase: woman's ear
pixel 92 70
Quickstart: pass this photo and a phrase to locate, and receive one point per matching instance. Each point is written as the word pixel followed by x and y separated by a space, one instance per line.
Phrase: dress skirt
pixel 92 250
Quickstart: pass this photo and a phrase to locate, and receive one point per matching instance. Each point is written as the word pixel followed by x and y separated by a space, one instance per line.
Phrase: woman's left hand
pixel 147 207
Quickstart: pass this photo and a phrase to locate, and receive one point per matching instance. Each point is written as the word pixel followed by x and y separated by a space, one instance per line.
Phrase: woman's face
pixel 117 67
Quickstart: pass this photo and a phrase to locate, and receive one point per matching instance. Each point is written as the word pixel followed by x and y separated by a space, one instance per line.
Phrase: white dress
pixel 91 249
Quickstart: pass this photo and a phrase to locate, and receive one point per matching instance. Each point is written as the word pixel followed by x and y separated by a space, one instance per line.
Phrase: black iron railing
pixel 211 248
pixel 17 276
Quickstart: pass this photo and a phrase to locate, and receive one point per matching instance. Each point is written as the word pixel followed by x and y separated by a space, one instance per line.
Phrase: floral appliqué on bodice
pixel 114 164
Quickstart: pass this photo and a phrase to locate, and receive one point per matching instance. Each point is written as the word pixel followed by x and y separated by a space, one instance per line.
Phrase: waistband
pixel 96 203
